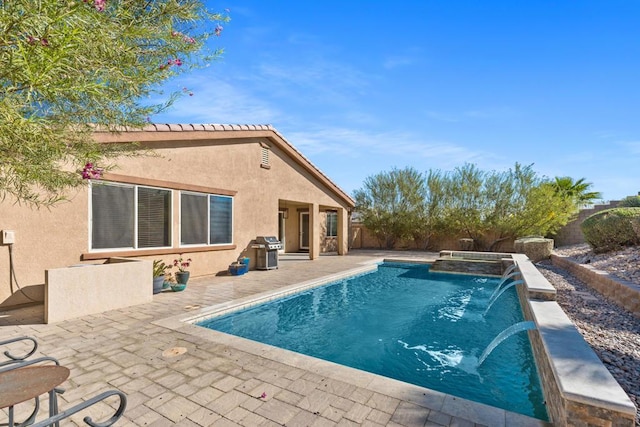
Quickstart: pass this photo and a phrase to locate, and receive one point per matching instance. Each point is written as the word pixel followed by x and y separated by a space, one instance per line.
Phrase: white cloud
pixel 360 144
pixel 407 57
pixel 327 80
pixel 491 113
pixel 441 117
pixel 486 113
pixel 632 146
pixel 217 101
pixel 397 61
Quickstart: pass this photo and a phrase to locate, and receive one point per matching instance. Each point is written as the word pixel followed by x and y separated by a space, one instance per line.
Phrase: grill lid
pixel 267 239
pixel 270 242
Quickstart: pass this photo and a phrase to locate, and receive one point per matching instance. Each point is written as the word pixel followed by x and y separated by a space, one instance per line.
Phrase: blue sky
pixel 361 87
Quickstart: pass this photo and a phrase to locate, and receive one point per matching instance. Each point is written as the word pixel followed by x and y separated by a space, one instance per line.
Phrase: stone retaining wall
pixel 468 266
pixel 623 292
pixel 578 388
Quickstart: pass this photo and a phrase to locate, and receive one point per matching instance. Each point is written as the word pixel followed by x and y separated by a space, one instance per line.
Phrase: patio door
pixel 281 229
pixel 304 231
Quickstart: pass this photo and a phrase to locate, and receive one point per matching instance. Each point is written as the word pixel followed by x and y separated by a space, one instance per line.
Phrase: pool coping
pixel 577 385
pixel 451 405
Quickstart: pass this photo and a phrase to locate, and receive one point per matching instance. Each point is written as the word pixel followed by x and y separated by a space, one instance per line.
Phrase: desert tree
pixel 430 220
pixel 467 202
pixel 69 66
pixel 492 207
pixel 390 203
pixel 525 204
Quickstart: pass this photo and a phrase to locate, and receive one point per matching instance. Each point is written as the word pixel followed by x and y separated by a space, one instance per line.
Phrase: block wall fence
pixel 571 234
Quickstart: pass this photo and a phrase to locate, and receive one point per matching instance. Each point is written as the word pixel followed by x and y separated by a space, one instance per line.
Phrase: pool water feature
pixel 410 324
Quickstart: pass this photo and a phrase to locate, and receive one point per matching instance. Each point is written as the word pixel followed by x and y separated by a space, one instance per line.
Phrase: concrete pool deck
pixel 179 374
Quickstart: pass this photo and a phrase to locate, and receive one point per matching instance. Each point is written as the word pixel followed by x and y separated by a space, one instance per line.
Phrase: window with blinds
pixel 206 219
pixel 154 217
pixel 220 219
pixel 332 224
pixel 129 216
pixel 193 219
pixel 112 220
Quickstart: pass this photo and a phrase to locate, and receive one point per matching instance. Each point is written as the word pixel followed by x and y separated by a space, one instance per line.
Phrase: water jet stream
pixel 510 331
pixel 495 296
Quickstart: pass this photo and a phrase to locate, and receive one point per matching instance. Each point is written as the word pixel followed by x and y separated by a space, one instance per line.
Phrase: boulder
pixel 535 248
pixel 466 244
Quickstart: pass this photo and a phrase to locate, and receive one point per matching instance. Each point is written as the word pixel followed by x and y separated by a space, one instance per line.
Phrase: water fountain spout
pixel 509 332
pixel 495 295
pixel 503 281
pixel 509 270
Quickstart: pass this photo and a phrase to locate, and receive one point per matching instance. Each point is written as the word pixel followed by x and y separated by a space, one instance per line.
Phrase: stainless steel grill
pixel 267 247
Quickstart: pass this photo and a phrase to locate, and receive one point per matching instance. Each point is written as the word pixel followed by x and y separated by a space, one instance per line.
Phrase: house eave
pixel 156 133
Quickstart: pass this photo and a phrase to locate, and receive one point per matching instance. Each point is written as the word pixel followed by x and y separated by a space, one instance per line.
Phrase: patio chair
pixel 55 419
pixel 13 359
pixel 21 361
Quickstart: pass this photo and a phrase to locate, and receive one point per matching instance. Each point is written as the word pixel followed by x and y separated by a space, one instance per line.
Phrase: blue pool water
pixel 407 323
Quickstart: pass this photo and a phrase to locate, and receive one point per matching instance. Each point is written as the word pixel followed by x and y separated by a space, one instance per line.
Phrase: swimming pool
pixel 410 324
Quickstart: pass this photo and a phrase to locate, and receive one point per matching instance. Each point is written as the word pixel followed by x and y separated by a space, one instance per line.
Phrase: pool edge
pixel 577 386
pixel 454 406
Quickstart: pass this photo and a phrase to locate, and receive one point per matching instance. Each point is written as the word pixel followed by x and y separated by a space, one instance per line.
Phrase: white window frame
pixel 208 231
pixel 135 188
pixel 331 214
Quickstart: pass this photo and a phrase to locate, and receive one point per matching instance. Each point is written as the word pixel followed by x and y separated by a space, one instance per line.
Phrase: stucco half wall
pixel 85 289
pixel 253 164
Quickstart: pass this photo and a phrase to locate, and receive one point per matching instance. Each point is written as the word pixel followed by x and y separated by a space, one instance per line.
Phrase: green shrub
pixel 630 202
pixel 612 229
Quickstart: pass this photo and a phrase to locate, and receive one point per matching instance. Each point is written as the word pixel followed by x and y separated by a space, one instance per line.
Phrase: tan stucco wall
pixel 79 291
pixel 44 239
pixel 58 237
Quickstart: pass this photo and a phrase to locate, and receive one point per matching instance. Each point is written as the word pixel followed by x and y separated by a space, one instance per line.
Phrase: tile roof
pixel 191 127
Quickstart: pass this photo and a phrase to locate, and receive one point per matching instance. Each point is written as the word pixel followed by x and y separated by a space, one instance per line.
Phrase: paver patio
pixel 175 377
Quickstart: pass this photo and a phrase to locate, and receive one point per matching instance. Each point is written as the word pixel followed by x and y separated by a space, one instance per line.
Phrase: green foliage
pixel 429 218
pixel 630 202
pixel 467 203
pixel 488 207
pixel 491 207
pixel 577 191
pixel 159 268
pixel 69 66
pixel 612 229
pixel 390 204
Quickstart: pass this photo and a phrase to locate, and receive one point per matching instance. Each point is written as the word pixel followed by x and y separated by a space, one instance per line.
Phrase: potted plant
pixel 159 270
pixel 175 286
pixel 182 275
pixel 168 280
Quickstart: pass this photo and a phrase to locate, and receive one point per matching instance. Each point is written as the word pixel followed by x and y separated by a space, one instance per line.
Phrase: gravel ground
pixel 612 331
pixel 624 263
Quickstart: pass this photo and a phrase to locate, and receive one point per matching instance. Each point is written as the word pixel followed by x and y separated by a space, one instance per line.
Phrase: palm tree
pixel 577 191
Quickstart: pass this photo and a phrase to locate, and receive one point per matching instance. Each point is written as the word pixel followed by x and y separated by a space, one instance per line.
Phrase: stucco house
pixel 207 193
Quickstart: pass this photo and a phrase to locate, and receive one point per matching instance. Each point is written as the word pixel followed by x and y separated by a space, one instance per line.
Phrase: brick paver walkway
pixel 173 376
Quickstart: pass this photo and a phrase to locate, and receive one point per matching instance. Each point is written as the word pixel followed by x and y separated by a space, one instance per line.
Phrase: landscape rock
pixel 612 331
pixel 535 248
